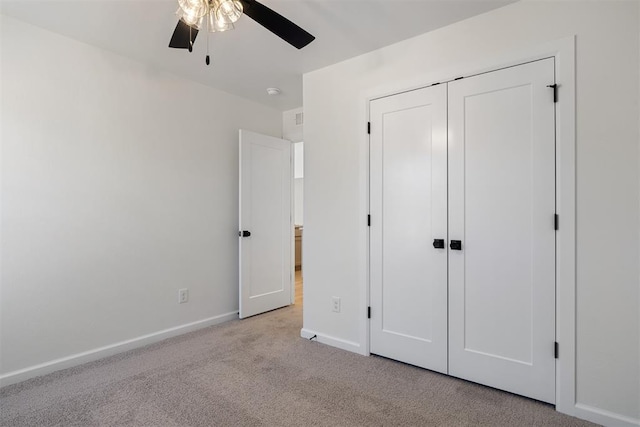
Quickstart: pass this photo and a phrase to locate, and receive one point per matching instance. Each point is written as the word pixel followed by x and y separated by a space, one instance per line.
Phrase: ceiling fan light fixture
pixel 217 15
pixel 192 11
pixel 215 25
pixel 190 20
pixel 220 15
pixel 228 11
pixel 194 7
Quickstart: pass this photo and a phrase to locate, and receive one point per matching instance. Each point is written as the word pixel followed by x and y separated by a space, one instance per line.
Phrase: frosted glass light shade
pixel 228 11
pixel 215 25
pixel 192 11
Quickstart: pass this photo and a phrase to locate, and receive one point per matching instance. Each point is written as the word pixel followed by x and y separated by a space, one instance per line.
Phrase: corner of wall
pixel 292 124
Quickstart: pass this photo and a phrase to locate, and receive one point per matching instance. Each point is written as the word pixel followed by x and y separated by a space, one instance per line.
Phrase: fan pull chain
pixel 207 60
pixel 190 40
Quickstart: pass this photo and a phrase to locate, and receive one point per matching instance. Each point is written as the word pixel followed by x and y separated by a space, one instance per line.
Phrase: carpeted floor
pixel 255 372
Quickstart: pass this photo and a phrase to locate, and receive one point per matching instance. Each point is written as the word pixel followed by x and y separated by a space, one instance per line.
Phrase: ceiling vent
pixel 299 118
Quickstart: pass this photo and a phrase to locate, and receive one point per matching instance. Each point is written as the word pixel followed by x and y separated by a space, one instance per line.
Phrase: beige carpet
pixel 255 372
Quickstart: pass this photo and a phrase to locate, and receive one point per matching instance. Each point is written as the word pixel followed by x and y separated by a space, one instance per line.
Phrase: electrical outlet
pixel 183 295
pixel 335 304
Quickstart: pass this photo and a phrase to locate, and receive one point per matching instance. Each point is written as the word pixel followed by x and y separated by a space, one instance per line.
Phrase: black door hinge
pixel 556 350
pixel 555 91
pixel 556 222
pixel 369 128
pixel 368 312
pixel 368 220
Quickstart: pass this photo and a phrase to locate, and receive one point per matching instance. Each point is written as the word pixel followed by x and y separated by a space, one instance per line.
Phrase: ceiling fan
pixel 220 15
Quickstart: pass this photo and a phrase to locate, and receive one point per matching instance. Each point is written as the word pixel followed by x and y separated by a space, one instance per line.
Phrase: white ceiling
pixel 249 59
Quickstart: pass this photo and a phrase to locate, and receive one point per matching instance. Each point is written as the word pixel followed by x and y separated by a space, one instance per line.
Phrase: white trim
pixel 563 51
pixel 566 235
pixel 109 350
pixel 607 418
pixel 351 346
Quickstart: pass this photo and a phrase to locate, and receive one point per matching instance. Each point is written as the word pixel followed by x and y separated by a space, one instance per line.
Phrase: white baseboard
pixel 351 346
pixel 606 418
pixel 109 350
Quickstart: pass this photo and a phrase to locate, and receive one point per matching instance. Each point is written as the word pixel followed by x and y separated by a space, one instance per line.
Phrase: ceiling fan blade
pixel 182 35
pixel 277 24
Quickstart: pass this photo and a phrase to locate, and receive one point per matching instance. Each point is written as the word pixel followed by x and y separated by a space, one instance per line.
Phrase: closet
pixel 462 236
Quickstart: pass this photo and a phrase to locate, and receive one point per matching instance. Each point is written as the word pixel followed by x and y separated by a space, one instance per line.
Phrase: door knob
pixel 438 243
pixel 244 233
pixel 456 245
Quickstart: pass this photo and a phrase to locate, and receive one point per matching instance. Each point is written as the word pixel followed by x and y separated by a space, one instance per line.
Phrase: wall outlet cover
pixel 335 304
pixel 183 295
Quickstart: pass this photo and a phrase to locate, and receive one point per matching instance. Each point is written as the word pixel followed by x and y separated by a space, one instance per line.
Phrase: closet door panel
pixel 501 207
pixel 408 211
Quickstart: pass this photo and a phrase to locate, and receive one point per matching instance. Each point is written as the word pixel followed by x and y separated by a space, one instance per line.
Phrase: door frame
pixel 563 51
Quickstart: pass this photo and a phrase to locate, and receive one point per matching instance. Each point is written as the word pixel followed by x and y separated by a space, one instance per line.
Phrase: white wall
pixel 298 183
pixel 291 129
pixel 119 186
pixel 298 160
pixel 298 206
pixel 608 190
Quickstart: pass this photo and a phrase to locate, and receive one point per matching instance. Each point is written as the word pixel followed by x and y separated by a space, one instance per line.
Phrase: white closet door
pixel 408 211
pixel 501 208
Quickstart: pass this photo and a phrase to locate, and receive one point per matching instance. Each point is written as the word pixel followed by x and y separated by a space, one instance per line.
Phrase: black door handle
pixel 438 243
pixel 244 233
pixel 456 245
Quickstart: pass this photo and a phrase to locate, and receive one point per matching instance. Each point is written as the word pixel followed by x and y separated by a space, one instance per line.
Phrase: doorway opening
pixel 298 218
pixel 271 221
pixel 266 238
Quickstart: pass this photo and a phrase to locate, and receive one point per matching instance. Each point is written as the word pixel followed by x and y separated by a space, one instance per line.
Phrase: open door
pixel 266 223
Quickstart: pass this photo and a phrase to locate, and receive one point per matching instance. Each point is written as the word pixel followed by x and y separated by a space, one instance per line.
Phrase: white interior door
pixel 266 224
pixel 501 209
pixel 408 211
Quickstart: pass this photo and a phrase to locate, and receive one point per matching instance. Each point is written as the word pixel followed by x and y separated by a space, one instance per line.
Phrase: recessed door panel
pixel 501 206
pixel 498 211
pixel 408 211
pixel 406 230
